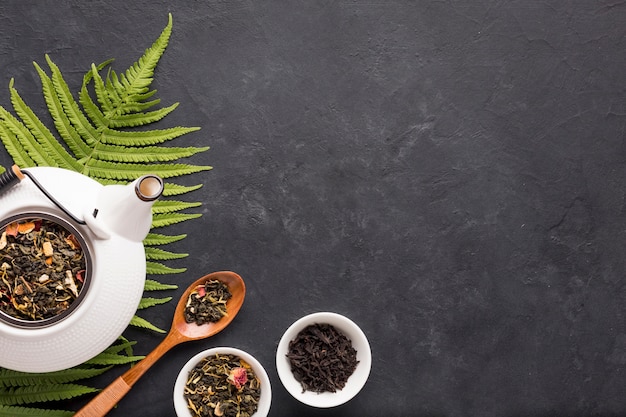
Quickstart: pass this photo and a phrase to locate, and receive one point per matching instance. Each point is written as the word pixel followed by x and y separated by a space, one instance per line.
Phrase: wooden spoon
pixel 180 332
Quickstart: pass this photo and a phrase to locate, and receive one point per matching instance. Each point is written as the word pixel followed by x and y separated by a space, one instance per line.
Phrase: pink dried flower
pixel 238 377
pixel 201 291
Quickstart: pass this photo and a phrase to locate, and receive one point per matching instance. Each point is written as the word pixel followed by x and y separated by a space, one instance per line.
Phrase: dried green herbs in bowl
pixel 222 382
pixel 323 359
pixel 44 270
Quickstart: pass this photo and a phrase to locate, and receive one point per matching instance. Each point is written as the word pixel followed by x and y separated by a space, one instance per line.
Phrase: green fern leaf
pixel 106 358
pixel 14 147
pixel 143 137
pixel 156 239
pixel 145 154
pixel 156 254
pixel 152 285
pixel 61 120
pixel 170 206
pixel 145 324
pixel 138 77
pixel 126 347
pixel 121 345
pixel 42 393
pixel 141 118
pixel 91 109
pixel 168 219
pixel 148 302
pixel 114 85
pixel 14 411
pixel 41 134
pixel 10 378
pixel 155 268
pixel 176 189
pixel 25 138
pixel 101 91
pixel 136 107
pixel 125 171
pixel 85 129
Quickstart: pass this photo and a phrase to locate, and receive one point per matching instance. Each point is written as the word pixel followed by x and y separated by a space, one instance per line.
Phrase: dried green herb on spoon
pixel 207 303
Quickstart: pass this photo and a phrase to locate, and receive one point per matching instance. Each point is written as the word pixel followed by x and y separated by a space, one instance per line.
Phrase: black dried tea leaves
pixel 42 269
pixel 222 386
pixel 322 358
pixel 207 303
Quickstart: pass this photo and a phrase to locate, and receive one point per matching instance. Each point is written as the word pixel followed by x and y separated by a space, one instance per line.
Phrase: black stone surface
pixel 448 174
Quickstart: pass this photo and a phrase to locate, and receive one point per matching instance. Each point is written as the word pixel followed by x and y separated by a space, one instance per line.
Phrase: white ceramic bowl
pixel 180 404
pixel 355 382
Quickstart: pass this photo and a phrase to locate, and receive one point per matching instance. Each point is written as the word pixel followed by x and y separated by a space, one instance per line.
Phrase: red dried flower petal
pixel 201 291
pixel 238 377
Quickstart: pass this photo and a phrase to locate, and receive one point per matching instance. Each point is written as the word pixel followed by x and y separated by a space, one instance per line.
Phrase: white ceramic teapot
pixel 110 223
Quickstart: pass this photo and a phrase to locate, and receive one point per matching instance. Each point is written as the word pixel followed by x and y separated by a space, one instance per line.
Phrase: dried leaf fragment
pixel 69 282
pixel 72 241
pixel 12 229
pixel 19 290
pixel 26 227
pixel 47 249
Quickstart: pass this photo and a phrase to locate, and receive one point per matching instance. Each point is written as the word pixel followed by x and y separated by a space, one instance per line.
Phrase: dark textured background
pixel 448 174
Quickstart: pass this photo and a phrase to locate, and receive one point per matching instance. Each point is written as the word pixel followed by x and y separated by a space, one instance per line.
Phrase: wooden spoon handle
pixel 106 400
pixel 102 403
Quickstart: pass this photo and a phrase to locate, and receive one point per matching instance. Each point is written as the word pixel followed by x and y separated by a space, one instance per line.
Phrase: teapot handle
pixel 11 177
pixel 15 175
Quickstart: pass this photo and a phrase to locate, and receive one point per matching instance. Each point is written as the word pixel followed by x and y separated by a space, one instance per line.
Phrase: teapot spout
pixel 125 210
pixel 148 187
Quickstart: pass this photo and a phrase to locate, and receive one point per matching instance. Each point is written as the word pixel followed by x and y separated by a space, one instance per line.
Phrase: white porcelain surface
pixel 180 404
pixel 356 381
pixel 111 301
pixel 122 212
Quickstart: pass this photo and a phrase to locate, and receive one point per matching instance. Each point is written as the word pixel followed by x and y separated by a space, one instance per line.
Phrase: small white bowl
pixel 355 382
pixel 180 403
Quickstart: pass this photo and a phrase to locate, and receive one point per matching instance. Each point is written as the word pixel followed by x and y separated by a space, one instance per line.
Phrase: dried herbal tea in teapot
pixel 207 303
pixel 321 358
pixel 222 386
pixel 42 269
